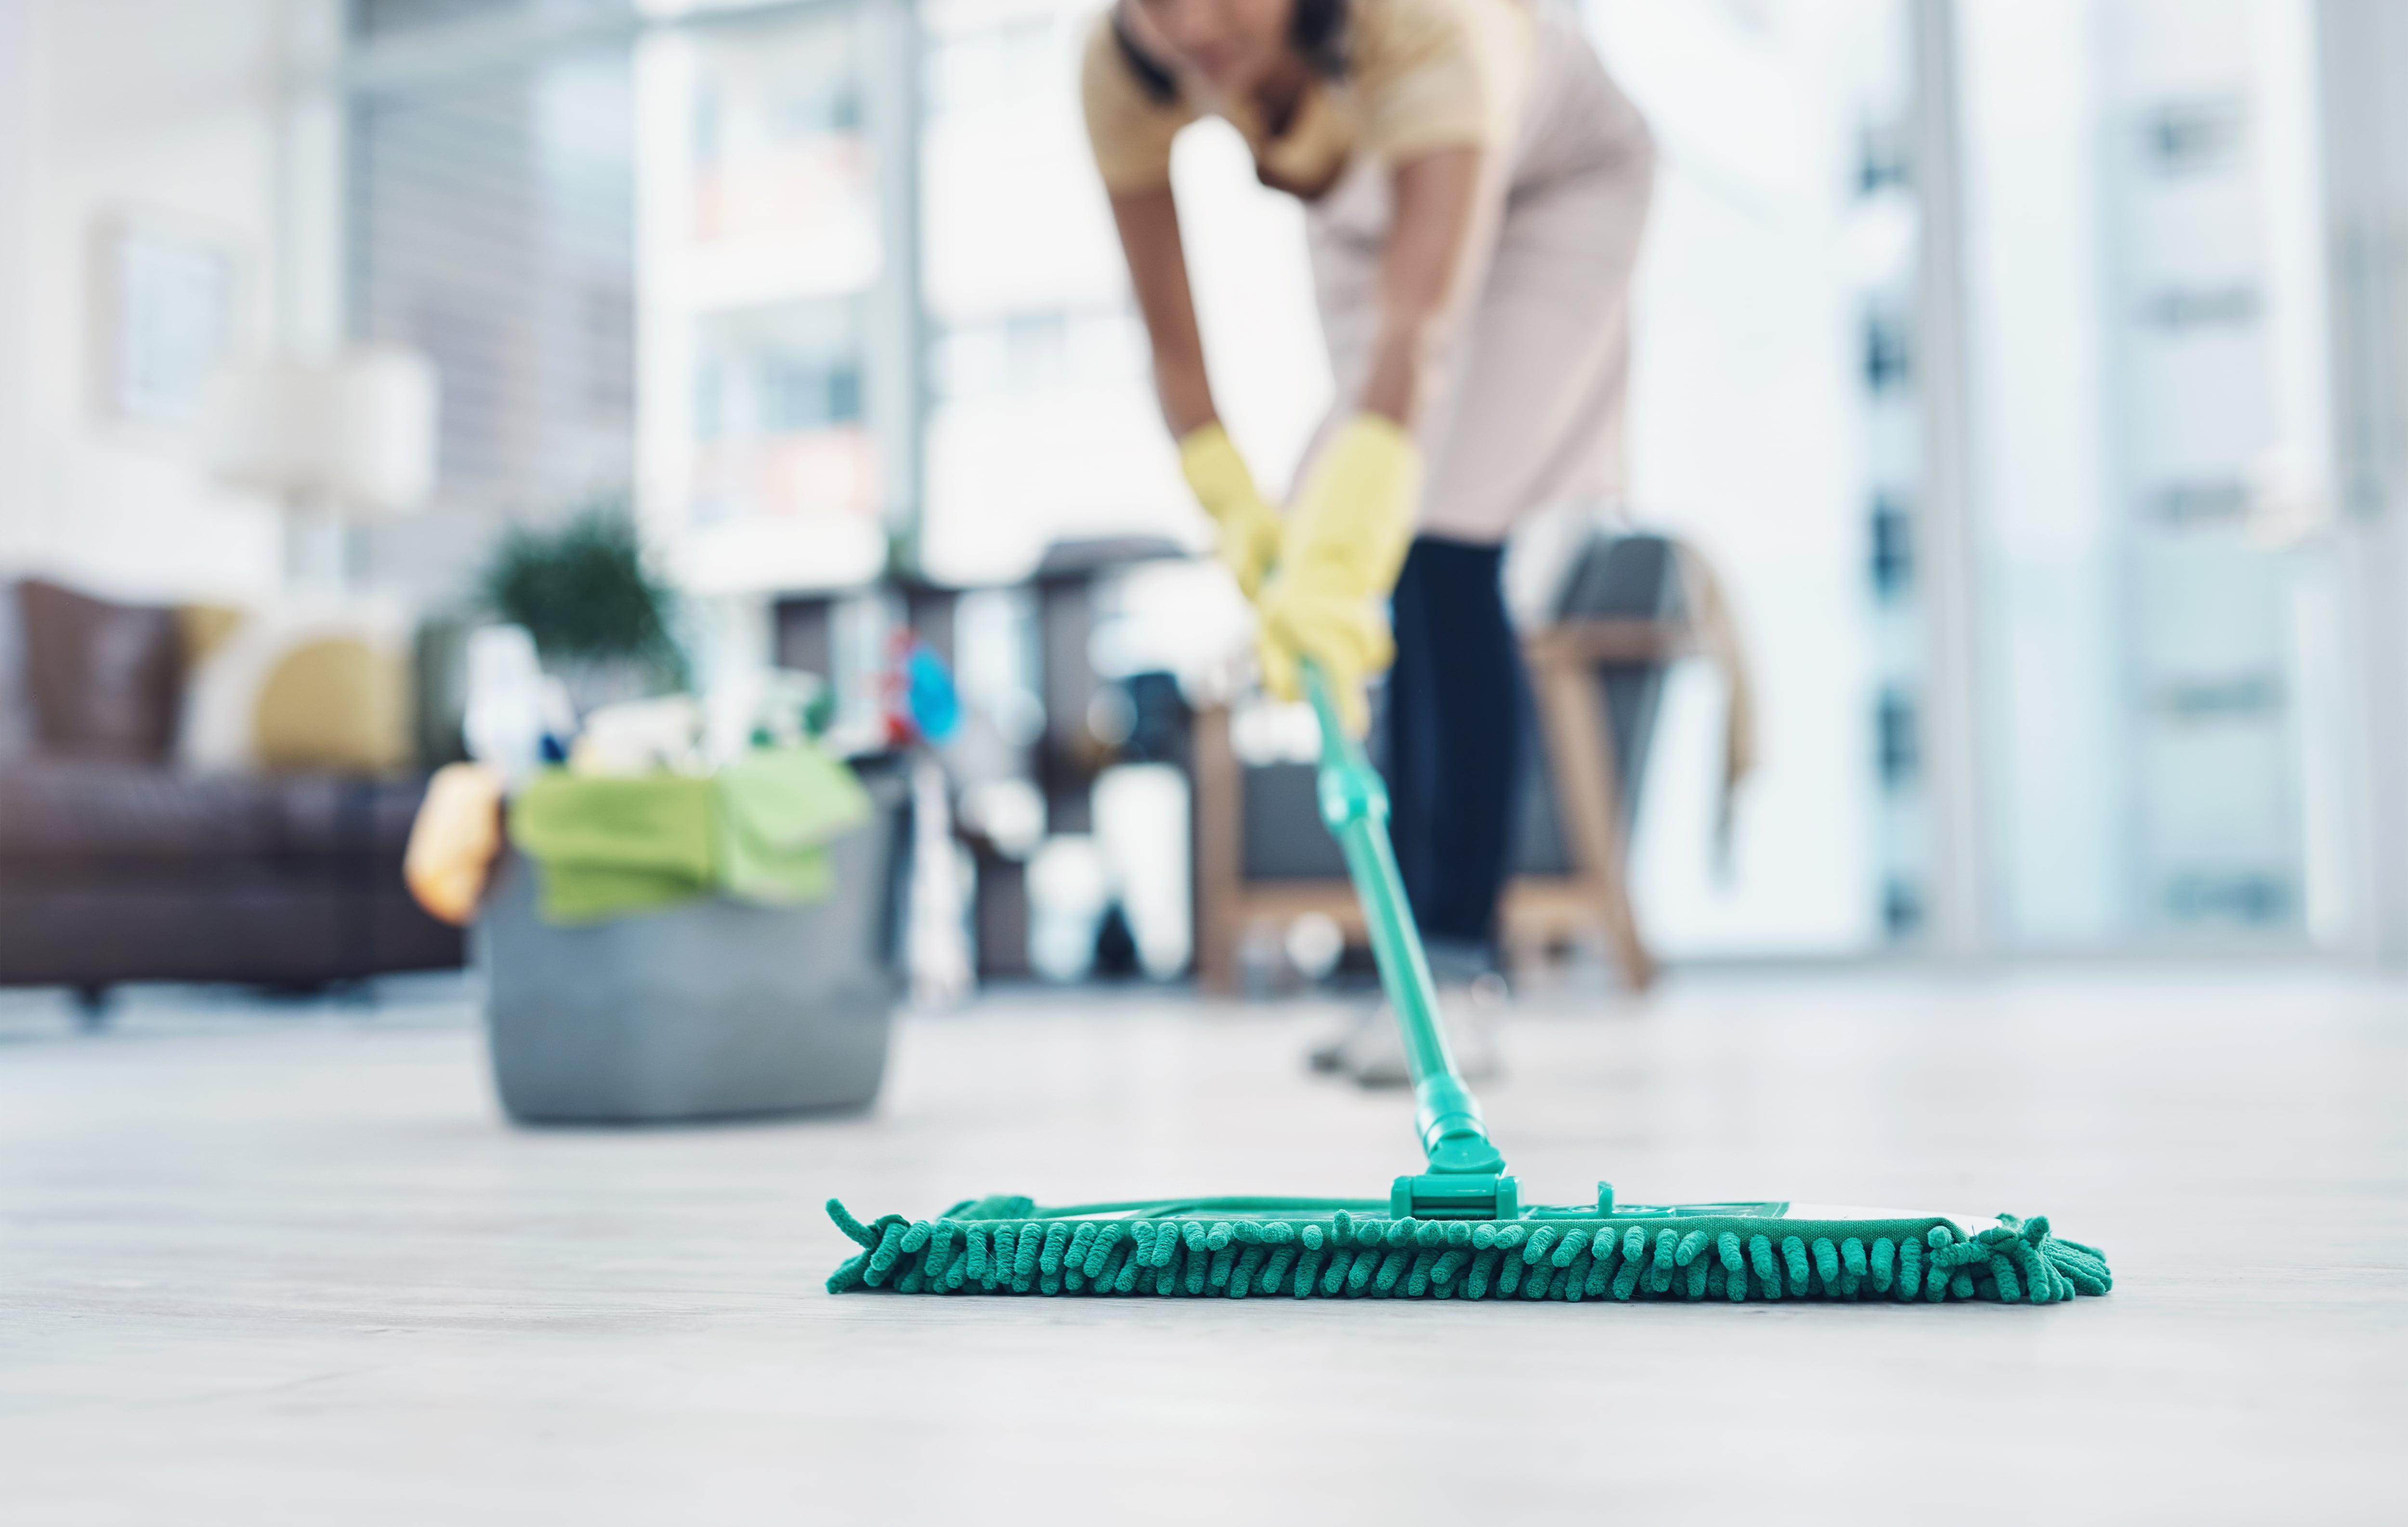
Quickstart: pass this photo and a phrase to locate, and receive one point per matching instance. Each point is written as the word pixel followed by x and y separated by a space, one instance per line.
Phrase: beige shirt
pixel 1421 76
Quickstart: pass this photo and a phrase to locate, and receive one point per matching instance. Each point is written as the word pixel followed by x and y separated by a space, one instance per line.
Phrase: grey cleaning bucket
pixel 706 1010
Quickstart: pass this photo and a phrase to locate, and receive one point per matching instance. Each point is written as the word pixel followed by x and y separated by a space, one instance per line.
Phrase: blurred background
pixel 2033 374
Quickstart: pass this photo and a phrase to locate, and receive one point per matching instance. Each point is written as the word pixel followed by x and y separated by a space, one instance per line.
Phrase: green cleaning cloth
pixel 778 807
pixel 607 846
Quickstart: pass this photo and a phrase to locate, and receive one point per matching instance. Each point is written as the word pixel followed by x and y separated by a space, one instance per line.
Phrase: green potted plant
pixel 600 618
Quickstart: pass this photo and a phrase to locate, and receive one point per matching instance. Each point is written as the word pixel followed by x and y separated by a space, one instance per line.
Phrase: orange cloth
pixel 454 840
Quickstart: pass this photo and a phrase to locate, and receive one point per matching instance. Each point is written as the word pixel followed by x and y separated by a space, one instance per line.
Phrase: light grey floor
pixel 271 1267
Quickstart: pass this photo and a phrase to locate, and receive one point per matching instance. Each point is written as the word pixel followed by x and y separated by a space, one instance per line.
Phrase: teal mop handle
pixel 1354 805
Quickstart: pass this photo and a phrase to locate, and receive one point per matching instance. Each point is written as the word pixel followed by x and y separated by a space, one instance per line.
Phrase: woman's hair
pixel 1317 31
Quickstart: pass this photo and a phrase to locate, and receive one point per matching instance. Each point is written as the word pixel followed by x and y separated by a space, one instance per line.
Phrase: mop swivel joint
pixel 1455 1195
pixel 1466 1180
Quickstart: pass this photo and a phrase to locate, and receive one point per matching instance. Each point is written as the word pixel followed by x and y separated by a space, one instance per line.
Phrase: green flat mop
pixel 1457 1229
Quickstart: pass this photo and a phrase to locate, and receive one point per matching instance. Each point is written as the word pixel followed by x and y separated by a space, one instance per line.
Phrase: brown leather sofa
pixel 115 866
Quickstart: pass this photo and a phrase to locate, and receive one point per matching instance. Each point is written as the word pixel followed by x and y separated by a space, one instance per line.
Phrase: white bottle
pixel 503 721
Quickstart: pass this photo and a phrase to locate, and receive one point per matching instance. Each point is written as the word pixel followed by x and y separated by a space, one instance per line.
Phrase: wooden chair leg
pixel 1588 792
pixel 1220 842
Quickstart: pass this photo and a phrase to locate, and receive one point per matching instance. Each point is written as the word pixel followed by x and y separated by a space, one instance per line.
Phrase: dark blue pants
pixel 1457 702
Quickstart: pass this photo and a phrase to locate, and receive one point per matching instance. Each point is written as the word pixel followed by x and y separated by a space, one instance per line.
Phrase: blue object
pixel 929 689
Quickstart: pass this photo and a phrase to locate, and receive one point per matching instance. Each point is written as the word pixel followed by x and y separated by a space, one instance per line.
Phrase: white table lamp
pixel 334 441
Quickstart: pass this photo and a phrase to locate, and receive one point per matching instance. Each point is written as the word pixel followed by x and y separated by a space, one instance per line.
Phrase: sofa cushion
pixel 106 678
pixel 56 808
pixel 303 686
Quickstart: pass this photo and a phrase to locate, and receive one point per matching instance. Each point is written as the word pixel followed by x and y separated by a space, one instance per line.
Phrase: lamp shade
pixel 354 435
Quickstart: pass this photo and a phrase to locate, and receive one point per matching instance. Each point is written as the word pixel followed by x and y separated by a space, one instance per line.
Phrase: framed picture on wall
pixel 168 298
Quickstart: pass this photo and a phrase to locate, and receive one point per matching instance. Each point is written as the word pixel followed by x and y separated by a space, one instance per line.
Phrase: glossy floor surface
pixel 289 1266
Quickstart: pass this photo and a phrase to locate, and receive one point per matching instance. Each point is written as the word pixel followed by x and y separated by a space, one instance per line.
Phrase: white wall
pixel 112 107
pixel 17 120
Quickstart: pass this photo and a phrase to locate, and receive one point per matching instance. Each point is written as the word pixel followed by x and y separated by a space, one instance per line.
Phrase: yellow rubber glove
pixel 1250 528
pixel 1345 542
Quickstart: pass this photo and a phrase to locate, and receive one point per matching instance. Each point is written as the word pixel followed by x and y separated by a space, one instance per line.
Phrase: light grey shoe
pixel 1375 1055
pixel 1329 1055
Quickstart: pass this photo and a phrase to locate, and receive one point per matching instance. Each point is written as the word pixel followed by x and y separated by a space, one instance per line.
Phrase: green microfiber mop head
pixel 1201 1250
pixel 1459 1230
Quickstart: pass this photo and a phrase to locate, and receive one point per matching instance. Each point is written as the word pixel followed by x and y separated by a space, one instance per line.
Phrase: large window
pixel 650 249
pixel 1042 419
pixel 2161 654
pixel 779 409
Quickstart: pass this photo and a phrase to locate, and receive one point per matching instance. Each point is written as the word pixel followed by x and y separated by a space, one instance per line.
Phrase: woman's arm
pixel 1149 226
pixel 1352 520
pixel 1422 273
pixel 1249 530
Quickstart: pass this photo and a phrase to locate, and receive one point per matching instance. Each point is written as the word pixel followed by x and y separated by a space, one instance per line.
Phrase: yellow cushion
pixel 333 703
pixel 206 630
